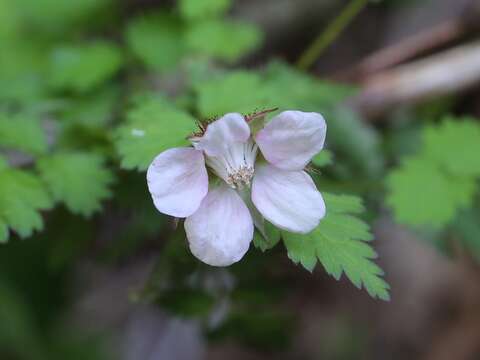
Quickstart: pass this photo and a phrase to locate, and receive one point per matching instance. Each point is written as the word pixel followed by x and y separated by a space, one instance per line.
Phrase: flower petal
pixel 288 199
pixel 221 230
pixel 292 138
pixel 178 181
pixel 230 128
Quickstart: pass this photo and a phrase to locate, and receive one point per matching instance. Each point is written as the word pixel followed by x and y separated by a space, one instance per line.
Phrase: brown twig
pixel 448 72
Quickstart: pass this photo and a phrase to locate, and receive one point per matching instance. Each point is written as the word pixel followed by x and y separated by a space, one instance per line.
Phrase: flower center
pixel 236 164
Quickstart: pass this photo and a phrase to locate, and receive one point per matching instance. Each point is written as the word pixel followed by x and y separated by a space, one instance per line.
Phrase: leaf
pixel 236 91
pixel 467 226
pixel 22 196
pixel 3 232
pixel 156 40
pixel 81 68
pixel 56 15
pixel 269 239
pixel 421 191
pixel 194 9
pixel 304 92
pixel 454 145
pixel 339 243
pixel 323 158
pixel 222 39
pixel 80 180
pixel 354 143
pixel 153 125
pixel 22 132
pixel 92 111
pixel 421 194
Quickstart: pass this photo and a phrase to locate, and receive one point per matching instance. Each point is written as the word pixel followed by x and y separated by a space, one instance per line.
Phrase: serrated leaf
pixel 80 180
pixel 83 67
pixel 454 145
pixel 339 243
pixel 22 132
pixel 153 125
pixel 194 9
pixel 156 40
pixel 222 39
pixel 22 196
pixel 421 194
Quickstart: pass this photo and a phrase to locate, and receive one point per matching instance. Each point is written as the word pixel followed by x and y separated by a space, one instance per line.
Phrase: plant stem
pixel 331 32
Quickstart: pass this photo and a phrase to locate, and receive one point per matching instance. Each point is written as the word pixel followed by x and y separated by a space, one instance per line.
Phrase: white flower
pixel 220 220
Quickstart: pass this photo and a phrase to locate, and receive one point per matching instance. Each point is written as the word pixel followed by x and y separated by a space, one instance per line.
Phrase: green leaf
pixel 56 15
pixel 467 226
pixel 80 180
pixel 3 232
pixel 421 191
pixel 323 158
pixel 304 92
pixel 194 9
pixel 93 111
pixel 153 125
pixel 81 68
pixel 270 237
pixel 156 40
pixel 339 243
pixel 421 194
pixel 236 91
pixel 22 132
pixel 454 145
pixel 225 40
pixel 22 196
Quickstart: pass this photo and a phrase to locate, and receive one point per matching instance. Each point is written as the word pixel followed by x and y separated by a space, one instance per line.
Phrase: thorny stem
pixel 331 32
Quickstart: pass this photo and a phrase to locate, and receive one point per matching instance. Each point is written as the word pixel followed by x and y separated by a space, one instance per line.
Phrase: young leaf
pixel 22 132
pixel 82 68
pixel 339 243
pixel 80 180
pixel 197 10
pixel 421 194
pixel 225 40
pixel 153 125
pixel 22 196
pixel 157 40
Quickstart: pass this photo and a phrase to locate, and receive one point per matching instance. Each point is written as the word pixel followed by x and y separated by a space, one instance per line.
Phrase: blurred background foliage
pixel 92 90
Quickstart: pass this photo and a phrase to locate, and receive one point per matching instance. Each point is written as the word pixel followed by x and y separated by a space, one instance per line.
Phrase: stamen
pixel 236 164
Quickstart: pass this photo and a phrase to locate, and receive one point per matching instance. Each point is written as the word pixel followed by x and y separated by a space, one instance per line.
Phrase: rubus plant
pixel 86 115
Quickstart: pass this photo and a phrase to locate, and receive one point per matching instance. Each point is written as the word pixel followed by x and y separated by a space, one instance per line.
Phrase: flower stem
pixel 331 32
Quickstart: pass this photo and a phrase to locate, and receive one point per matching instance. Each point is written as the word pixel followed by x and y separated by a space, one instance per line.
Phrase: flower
pixel 261 177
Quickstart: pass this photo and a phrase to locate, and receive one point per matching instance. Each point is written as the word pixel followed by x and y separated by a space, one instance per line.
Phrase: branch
pixel 449 72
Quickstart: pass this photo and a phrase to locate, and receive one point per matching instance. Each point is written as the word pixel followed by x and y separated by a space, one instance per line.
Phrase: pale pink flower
pixel 220 217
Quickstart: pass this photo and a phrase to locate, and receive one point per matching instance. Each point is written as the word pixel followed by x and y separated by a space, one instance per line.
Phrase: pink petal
pixel 292 138
pixel 178 181
pixel 288 199
pixel 230 128
pixel 221 230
